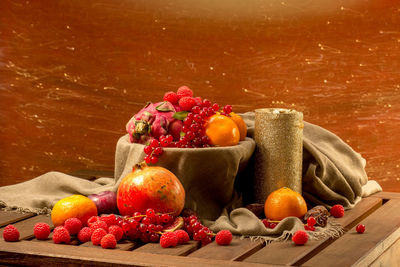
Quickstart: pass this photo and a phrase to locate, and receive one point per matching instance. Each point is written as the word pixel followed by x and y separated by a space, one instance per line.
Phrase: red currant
pixel 148 150
pixel 311 221
pixel 228 109
pixel 154 143
pixel 360 228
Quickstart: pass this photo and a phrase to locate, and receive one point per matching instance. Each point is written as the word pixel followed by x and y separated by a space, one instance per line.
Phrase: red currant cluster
pixel 193 133
pixel 145 227
pixel 269 224
pixel 197 231
pixel 310 224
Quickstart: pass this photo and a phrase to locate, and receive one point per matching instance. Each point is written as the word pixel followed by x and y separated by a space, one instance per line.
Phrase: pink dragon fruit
pixel 150 122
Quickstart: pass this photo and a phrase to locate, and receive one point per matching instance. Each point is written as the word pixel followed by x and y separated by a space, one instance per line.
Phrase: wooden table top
pixel 72 73
pixel 376 246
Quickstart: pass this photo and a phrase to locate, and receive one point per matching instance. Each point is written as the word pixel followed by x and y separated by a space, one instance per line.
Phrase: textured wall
pixel 72 73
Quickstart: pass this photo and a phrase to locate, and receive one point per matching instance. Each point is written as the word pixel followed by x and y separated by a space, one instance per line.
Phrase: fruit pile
pixel 108 229
pixel 184 121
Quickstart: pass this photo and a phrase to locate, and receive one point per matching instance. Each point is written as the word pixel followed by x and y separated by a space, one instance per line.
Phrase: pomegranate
pixel 150 187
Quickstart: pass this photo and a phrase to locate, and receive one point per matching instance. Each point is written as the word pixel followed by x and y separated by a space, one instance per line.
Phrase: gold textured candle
pixel 279 151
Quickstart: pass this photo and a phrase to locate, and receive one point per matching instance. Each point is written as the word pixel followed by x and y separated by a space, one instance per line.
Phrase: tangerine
pixel 283 203
pixel 240 124
pixel 222 131
pixel 77 206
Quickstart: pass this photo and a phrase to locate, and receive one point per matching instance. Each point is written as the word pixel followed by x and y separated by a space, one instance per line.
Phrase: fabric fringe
pixel 332 230
pixel 38 211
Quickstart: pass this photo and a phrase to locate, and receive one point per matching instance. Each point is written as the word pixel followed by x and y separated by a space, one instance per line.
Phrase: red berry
pixel 309 228
pixel 108 241
pixel 99 224
pixel 206 103
pixel 187 103
pixel 183 236
pixel 148 150
pixel 61 235
pixel 360 228
pixel 168 239
pixel 196 109
pixel 171 97
pixel 184 91
pixel 73 225
pixel 147 159
pixel 158 151
pixel 300 237
pixel 154 159
pixel 85 234
pixel 97 235
pixel 11 233
pixel 116 231
pixel 265 222
pixel 337 211
pixel 154 143
pixel 228 109
pixel 41 231
pixel 92 220
pixel 272 225
pixel 223 237
pixel 110 219
pixel 215 107
pixel 311 221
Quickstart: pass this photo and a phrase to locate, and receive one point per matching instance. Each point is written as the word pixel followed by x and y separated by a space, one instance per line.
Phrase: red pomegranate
pixel 150 187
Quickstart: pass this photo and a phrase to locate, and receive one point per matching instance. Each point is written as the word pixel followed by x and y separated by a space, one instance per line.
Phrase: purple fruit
pixel 106 202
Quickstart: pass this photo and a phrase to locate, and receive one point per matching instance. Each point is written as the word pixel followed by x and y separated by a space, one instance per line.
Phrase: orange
pixel 77 206
pixel 240 124
pixel 222 131
pixel 283 203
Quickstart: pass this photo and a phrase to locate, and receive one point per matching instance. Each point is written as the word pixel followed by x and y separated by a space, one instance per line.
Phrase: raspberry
pixel 360 228
pixel 300 237
pixel 11 233
pixel 337 211
pixel 99 224
pixel 97 235
pixel 110 219
pixel 85 234
pixel 116 231
pixel 223 237
pixel 184 91
pixel 108 241
pixel 198 100
pixel 183 236
pixel 73 225
pixel 187 103
pixel 171 97
pixel 41 231
pixel 92 220
pixel 168 239
pixel 61 235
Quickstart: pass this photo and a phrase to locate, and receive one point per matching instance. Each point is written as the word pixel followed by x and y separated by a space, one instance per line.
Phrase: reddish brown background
pixel 73 72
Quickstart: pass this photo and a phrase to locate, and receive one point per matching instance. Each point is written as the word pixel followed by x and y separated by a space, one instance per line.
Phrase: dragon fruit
pixel 150 122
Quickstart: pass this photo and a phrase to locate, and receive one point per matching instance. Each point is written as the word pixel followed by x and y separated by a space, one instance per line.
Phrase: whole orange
pixel 240 124
pixel 150 187
pixel 222 131
pixel 283 203
pixel 77 206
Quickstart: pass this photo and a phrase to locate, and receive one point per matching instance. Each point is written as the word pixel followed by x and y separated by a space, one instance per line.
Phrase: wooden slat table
pixel 376 247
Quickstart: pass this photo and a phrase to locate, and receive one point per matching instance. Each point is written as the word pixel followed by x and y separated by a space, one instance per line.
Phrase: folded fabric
pixel 207 174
